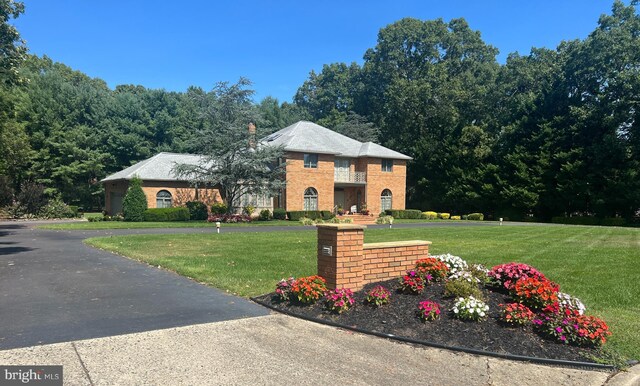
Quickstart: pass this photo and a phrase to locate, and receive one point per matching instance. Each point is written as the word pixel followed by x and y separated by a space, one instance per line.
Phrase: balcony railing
pixel 349 177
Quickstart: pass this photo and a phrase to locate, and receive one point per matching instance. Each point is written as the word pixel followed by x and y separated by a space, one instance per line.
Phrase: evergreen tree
pixel 135 202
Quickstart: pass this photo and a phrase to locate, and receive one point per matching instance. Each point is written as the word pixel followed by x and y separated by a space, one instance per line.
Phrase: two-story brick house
pixel 325 170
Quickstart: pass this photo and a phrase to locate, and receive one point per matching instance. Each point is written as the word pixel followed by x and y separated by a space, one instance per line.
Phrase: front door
pixel 338 198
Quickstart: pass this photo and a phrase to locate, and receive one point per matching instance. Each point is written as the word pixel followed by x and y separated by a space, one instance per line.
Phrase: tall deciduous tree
pixel 428 85
pixel 233 161
pixel 13 146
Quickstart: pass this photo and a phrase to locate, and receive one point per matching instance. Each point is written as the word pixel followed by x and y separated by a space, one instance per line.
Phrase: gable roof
pixel 159 167
pixel 309 137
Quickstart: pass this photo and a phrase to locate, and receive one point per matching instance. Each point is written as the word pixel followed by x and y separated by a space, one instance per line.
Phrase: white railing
pixel 348 176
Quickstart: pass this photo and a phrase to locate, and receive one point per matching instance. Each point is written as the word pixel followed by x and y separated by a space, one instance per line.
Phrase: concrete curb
pixel 630 377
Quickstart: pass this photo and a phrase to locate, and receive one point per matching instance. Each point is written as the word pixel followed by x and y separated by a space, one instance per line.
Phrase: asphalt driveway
pixel 53 288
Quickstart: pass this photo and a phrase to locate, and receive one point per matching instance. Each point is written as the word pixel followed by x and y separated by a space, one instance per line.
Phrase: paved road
pixel 53 288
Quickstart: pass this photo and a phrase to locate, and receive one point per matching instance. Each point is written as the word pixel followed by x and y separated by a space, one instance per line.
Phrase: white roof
pixel 159 167
pixel 309 137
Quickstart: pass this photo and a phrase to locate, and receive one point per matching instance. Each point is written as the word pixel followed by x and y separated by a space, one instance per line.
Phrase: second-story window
pixel 311 161
pixel 387 165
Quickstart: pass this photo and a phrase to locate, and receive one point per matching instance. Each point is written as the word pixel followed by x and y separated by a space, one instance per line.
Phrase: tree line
pixel 551 133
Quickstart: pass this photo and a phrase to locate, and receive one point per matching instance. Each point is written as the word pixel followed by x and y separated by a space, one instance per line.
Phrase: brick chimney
pixel 252 135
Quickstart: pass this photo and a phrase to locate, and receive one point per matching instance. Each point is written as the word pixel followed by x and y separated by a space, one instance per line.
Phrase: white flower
pixel 455 263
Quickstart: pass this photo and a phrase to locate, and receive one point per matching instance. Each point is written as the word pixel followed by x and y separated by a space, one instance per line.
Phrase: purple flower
pixel 558 329
pixel 537 322
pixel 563 338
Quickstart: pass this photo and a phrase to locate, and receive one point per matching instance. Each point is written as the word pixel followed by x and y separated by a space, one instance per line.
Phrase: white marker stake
pixel 218 226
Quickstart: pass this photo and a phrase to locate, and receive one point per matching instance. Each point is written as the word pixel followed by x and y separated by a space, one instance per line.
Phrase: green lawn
pixel 141 225
pixel 600 265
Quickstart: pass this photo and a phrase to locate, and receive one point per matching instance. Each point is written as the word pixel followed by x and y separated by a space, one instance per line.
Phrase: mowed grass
pixel 600 265
pixel 101 225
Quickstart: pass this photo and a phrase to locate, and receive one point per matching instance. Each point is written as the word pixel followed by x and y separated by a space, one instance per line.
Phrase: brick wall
pixel 300 178
pixel 181 192
pixel 377 181
pixel 346 262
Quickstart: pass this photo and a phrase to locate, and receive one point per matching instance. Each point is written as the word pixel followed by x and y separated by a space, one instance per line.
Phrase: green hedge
pixel 588 220
pixel 475 217
pixel 406 214
pixel 279 214
pixel 166 214
pixel 296 215
pixel 197 210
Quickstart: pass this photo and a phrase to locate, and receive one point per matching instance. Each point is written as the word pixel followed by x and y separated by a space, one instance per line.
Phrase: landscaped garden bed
pixel 514 310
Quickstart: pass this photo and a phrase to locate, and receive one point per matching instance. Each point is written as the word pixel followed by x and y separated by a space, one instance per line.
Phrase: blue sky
pixel 172 45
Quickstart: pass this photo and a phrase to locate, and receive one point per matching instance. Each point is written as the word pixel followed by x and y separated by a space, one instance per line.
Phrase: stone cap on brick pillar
pixel 390 244
pixel 340 227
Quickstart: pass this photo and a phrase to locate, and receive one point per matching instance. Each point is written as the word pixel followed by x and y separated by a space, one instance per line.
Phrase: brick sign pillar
pixel 340 255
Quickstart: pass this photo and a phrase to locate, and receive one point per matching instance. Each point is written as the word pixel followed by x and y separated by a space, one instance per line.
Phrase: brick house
pixel 325 170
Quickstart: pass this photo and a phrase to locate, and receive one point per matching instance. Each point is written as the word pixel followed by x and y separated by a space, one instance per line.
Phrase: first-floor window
pixel 385 199
pixel 310 199
pixel 163 199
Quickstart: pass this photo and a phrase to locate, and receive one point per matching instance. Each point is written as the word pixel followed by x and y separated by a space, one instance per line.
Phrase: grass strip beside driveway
pixel 597 264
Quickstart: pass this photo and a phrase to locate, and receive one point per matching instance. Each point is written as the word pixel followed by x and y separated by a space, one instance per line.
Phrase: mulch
pixel 399 317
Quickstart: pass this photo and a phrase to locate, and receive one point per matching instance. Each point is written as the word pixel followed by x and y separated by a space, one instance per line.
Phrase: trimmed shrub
pixel 475 217
pixel 614 222
pixel 265 215
pixel 135 202
pixel 248 210
pixel 384 220
pixel 444 216
pixel 576 220
pixel 57 209
pixel 229 218
pixel 296 215
pixel 327 214
pixel 219 208
pixel 588 220
pixel 429 215
pixel 404 214
pixel 166 214
pixel 461 288
pixel 455 217
pixel 197 210
pixel 279 214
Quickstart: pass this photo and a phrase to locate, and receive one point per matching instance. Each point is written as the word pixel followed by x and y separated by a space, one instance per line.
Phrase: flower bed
pixel 554 328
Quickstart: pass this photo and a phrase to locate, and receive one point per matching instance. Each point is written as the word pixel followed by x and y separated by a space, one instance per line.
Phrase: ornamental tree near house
pixel 234 161
pixel 135 202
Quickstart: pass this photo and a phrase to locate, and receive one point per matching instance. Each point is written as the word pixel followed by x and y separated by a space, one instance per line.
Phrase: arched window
pixel 385 200
pixel 310 199
pixel 163 199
